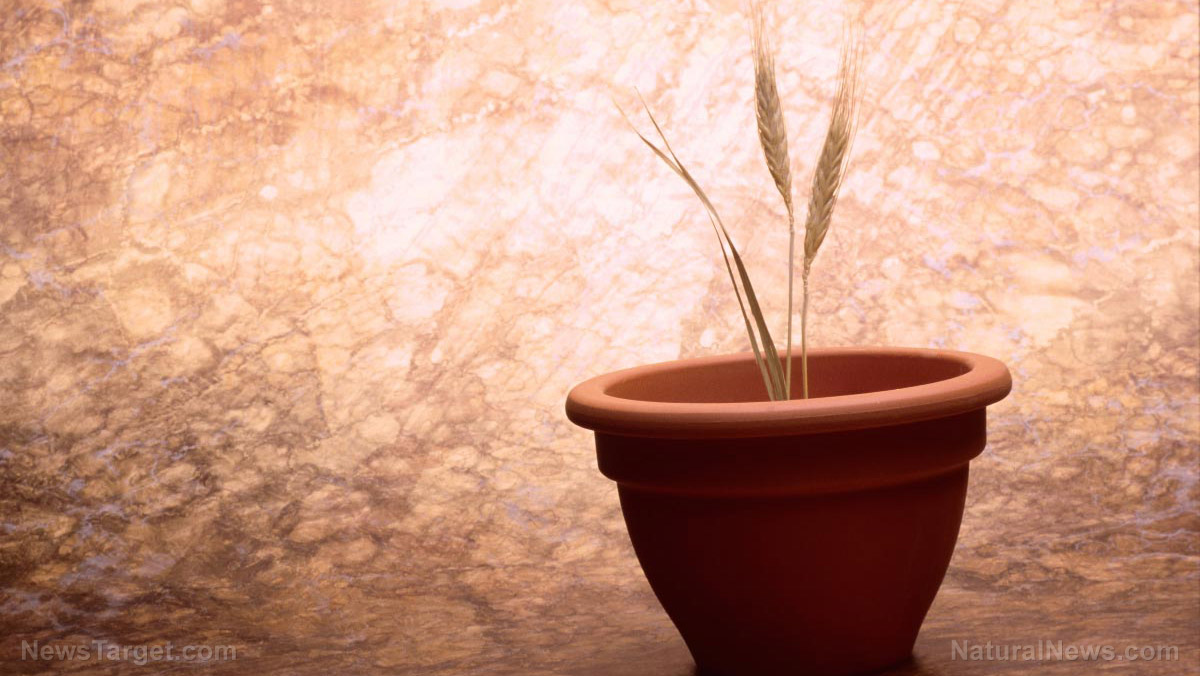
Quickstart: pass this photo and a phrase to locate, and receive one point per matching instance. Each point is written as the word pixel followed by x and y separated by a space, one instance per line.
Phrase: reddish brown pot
pixel 805 536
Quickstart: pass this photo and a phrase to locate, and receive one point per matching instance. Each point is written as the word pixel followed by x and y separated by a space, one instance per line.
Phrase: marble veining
pixel 291 294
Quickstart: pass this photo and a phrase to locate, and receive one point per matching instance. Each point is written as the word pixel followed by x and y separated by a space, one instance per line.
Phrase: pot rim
pixel 985 381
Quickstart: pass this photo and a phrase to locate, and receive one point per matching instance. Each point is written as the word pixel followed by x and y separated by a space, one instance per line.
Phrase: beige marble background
pixel 291 294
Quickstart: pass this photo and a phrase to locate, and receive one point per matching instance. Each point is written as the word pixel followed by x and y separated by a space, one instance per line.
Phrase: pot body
pixel 793 544
pixel 796 567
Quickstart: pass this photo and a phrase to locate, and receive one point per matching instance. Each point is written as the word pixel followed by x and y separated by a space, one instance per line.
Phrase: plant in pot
pixel 792 532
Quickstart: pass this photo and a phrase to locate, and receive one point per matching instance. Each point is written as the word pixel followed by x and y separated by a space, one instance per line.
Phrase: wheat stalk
pixel 827 179
pixel 772 134
pixel 766 358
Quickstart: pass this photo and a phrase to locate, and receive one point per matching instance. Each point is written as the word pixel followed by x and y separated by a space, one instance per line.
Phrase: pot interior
pixel 830 375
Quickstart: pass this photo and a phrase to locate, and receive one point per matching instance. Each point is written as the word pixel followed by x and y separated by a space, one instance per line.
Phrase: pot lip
pixel 986 381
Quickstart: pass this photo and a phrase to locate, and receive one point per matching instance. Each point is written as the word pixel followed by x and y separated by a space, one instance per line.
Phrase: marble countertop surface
pixel 291 294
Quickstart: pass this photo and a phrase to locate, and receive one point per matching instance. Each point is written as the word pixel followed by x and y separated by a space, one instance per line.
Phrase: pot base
pixel 702 671
pixel 829 585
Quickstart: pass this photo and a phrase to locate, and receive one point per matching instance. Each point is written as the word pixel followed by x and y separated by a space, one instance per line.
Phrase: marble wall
pixel 291 294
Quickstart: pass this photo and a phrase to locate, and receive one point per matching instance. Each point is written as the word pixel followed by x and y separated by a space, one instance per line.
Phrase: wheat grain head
pixel 831 168
pixel 771 130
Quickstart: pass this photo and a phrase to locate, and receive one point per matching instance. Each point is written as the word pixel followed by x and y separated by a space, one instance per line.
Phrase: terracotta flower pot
pixel 804 536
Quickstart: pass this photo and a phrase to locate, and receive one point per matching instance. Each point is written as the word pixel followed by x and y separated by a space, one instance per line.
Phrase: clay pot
pixel 803 536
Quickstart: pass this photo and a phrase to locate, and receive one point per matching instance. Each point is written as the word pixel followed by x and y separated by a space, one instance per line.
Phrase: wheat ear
pixel 772 134
pixel 827 179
